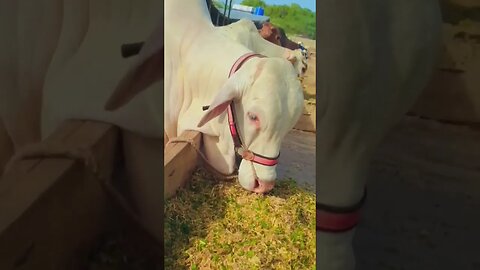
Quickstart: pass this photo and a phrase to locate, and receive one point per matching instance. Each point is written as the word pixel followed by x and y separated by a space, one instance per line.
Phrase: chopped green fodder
pixel 219 225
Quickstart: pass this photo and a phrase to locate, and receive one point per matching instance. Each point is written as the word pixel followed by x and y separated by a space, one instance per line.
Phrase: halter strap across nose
pixel 242 151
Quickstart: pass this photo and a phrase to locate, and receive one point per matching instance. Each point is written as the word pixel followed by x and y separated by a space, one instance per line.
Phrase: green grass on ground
pixel 219 225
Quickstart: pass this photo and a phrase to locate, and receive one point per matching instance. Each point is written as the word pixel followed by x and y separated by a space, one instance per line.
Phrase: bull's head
pixel 270 33
pixel 268 101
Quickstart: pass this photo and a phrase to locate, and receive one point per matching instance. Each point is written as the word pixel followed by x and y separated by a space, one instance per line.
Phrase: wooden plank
pixel 307 121
pixel 180 162
pixel 51 209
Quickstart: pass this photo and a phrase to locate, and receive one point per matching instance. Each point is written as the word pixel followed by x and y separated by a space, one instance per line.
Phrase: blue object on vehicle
pixel 236 15
pixel 259 11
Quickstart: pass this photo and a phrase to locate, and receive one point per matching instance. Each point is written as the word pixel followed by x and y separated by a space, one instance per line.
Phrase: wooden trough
pixel 52 210
pixel 180 160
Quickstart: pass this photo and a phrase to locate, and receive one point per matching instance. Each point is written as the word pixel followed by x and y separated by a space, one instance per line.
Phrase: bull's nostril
pixel 257 184
pixel 263 187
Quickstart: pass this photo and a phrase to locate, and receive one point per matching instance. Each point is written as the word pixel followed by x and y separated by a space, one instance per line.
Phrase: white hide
pixel 62 61
pixel 245 32
pixel 375 58
pixel 198 58
pixel 65 55
pixel 82 76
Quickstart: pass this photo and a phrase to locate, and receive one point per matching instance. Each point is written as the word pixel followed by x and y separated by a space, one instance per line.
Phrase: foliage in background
pixel 220 5
pixel 293 19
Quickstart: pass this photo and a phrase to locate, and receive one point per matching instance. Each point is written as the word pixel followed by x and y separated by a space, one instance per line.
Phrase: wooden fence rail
pixel 52 209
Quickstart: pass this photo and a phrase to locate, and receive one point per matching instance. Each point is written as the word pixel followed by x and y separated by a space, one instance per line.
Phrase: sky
pixel 310 4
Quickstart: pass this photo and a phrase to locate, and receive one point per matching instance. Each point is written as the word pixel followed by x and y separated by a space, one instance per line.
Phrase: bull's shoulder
pixel 244 25
pixel 249 24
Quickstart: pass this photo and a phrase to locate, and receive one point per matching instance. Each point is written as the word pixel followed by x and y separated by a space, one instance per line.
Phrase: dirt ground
pixel 422 212
pixel 424 196
pixel 297 159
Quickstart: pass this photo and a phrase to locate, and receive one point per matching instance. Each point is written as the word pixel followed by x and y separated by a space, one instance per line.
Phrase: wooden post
pixel 52 209
pixel 180 161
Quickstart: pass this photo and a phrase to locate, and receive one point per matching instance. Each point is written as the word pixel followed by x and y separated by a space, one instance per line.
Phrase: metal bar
pixel 225 12
pixel 230 9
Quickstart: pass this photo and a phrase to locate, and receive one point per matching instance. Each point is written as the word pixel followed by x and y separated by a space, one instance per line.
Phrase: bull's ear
pixel 231 90
pixel 146 70
pixel 292 59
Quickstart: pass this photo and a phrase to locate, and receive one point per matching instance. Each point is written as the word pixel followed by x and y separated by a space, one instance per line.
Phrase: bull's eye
pixel 252 117
pixel 254 120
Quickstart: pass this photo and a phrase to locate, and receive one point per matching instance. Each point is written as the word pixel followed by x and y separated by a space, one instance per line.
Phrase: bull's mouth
pixel 262 187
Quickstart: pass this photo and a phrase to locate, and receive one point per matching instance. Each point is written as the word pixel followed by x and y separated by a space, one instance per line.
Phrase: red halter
pixel 240 149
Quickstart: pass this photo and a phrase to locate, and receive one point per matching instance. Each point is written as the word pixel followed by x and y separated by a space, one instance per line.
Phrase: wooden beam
pixel 307 121
pixel 52 209
pixel 180 162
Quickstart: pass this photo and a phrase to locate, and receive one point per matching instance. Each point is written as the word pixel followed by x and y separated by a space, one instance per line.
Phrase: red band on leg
pixel 336 222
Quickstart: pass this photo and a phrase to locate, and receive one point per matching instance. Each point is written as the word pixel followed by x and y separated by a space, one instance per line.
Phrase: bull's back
pixel 245 32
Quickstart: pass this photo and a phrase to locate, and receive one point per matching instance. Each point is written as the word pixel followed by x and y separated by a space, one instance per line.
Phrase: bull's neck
pixel 211 60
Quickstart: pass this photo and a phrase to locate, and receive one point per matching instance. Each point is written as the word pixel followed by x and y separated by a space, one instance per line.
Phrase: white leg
pixel 341 179
pixel 334 251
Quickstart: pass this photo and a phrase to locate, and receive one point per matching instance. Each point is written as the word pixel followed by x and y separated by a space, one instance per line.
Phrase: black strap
pixel 341 210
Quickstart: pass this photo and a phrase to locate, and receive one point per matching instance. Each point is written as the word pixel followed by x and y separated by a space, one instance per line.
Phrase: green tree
pixel 254 3
pixel 293 18
pixel 220 5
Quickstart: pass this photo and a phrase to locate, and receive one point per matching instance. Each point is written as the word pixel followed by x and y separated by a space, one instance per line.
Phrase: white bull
pixel 198 58
pixel 63 61
pixel 245 32
pixel 375 58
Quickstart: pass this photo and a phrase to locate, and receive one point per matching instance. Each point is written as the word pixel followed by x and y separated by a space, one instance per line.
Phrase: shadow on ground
pixel 424 196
